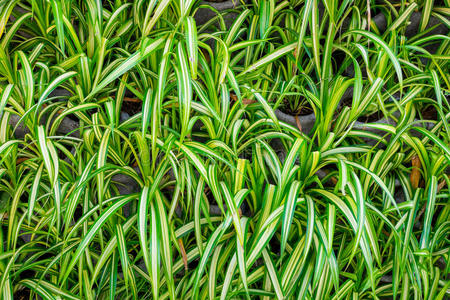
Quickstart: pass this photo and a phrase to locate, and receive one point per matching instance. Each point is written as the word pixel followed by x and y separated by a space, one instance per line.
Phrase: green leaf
pixel 385 47
pixel 126 65
pixel 121 201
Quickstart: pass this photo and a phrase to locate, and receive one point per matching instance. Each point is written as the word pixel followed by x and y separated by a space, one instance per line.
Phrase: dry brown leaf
pixel 334 180
pixel 183 254
pixel 415 172
pixel 294 67
pixel 128 99
pixel 441 186
pixel 206 55
pixel 21 160
pixel 246 101
pixel 299 125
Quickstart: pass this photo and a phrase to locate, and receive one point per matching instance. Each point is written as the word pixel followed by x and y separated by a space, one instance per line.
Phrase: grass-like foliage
pixel 281 149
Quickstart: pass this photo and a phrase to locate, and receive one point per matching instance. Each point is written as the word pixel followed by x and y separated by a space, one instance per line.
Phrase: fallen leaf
pixel 441 186
pixel 21 160
pixel 128 99
pixel 183 254
pixel 415 172
pixel 246 101
pixel 299 125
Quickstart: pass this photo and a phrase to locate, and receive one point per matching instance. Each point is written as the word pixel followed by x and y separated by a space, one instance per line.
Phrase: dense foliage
pixel 145 153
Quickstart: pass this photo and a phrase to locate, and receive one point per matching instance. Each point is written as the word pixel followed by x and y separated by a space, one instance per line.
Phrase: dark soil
pixel 23 294
pixel 372 117
pixel 132 107
pixel 429 113
pixel 305 108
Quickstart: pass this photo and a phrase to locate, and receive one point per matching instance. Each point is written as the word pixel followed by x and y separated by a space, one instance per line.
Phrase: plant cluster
pixel 279 149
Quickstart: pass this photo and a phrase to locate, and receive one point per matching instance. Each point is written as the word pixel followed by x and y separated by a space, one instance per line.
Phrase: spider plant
pixel 201 190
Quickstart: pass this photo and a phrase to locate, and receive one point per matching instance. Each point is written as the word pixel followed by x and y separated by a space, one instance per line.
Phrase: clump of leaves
pixel 142 156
